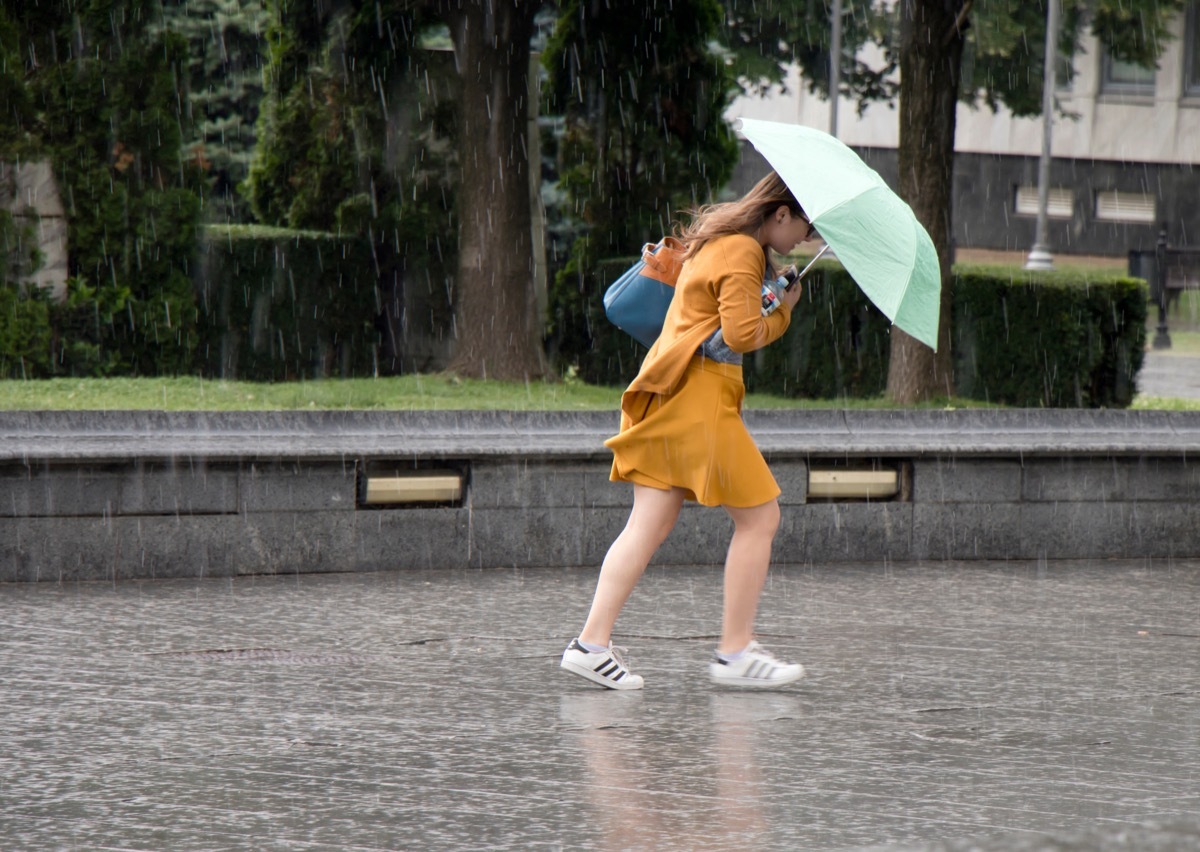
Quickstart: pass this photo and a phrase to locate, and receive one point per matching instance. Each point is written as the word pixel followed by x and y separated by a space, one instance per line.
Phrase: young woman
pixel 682 435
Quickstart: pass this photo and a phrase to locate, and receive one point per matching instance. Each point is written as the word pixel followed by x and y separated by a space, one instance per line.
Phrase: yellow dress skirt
pixel 694 438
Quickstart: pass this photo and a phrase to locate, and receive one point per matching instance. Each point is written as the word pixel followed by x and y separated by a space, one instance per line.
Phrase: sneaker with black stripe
pixel 756 669
pixel 606 668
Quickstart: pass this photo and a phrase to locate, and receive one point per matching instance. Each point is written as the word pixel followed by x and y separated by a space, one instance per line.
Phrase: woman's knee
pixel 655 513
pixel 761 520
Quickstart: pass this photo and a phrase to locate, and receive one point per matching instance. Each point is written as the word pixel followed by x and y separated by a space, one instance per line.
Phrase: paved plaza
pixel 948 706
pixel 1165 374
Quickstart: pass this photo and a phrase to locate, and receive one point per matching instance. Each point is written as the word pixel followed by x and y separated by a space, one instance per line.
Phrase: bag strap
pixel 663 260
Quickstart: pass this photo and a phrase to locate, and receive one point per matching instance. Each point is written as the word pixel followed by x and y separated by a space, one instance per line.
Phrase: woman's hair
pixel 738 217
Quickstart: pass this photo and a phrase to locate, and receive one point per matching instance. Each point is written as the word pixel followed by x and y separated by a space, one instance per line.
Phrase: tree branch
pixel 956 29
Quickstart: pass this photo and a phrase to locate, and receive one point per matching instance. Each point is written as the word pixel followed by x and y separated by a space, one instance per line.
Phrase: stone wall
pixel 29 192
pixel 124 495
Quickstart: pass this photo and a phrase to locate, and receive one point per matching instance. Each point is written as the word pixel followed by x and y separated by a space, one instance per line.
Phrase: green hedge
pixel 1024 339
pixel 262 304
pixel 1063 339
pixel 277 304
pixel 836 346
pixel 25 336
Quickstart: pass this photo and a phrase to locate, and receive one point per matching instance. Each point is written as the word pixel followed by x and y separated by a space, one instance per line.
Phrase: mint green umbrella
pixel 872 231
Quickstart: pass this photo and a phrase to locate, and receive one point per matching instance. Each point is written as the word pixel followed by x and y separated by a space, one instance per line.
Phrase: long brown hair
pixel 743 216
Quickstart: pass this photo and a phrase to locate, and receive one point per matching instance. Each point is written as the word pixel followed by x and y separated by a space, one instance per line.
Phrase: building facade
pixel 1125 149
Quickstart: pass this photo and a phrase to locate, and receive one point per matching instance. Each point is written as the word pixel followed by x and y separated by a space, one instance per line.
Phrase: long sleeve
pixel 739 299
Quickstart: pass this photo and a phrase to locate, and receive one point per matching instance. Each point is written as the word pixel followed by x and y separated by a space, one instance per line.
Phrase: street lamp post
pixel 1039 255
pixel 835 65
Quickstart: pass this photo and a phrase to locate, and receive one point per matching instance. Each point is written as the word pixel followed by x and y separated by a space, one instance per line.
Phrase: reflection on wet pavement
pixel 947 707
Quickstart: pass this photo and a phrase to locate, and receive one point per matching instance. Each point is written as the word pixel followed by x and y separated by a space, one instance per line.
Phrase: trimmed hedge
pixel 263 304
pixel 1062 339
pixel 275 305
pixel 278 304
pixel 837 345
pixel 1058 339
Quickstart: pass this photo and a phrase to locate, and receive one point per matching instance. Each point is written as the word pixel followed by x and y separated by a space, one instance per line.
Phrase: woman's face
pixel 783 230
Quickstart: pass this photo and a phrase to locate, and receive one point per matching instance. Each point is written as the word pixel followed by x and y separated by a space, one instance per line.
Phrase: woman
pixel 682 436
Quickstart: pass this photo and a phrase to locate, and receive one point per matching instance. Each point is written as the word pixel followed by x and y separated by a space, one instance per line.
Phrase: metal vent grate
pixel 1116 206
pixel 1060 203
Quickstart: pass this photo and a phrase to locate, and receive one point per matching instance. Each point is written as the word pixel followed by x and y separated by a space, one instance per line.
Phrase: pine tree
pixel 226 55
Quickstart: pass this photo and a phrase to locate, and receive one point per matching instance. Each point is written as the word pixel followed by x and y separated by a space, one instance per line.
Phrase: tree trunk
pixel 497 326
pixel 931 49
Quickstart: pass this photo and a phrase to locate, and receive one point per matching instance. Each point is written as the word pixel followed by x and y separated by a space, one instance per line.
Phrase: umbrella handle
pixel 809 265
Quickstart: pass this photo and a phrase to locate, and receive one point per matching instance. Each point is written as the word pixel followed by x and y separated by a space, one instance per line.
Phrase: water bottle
pixel 772 291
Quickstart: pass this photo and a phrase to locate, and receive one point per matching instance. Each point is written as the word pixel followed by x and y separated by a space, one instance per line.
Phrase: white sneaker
pixel 756 669
pixel 606 668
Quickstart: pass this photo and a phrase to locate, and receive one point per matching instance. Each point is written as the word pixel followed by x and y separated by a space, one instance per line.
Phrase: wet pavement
pixel 948 706
pixel 1164 374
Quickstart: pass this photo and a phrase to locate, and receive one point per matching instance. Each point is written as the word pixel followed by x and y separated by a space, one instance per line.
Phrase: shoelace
pixel 618 654
pixel 758 649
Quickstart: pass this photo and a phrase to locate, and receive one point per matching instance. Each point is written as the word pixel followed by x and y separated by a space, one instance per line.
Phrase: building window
pixel 1191 51
pixel 1060 203
pixel 1125 78
pixel 1132 207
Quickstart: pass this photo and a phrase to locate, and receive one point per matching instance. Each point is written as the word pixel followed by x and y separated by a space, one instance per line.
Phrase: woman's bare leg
pixel 746 567
pixel 651 520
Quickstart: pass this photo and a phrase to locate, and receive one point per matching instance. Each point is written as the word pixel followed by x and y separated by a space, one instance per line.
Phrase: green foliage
pixel 1065 339
pixel 19 255
pixel 1003 59
pixel 286 305
pixel 1057 339
pixel 25 341
pixel 356 138
pixel 1133 30
pixel 641 142
pixel 763 39
pixel 104 84
pixel 226 53
pixel 836 346
pixel 16 101
pixel 304 167
pixel 84 327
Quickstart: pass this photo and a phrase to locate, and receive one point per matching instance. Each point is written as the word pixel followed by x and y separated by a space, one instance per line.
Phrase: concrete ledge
pixel 104 495
pixel 75 436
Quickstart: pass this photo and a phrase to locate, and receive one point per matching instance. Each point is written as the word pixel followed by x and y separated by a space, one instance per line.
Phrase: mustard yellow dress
pixel 681 417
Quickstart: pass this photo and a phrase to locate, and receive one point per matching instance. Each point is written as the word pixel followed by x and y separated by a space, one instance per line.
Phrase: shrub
pixel 1062 339
pixel 25 342
pixel 1069 339
pixel 636 144
pixel 278 304
pixel 836 346
pixel 612 357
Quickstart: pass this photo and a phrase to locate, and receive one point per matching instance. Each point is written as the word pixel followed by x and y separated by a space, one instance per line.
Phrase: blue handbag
pixel 637 302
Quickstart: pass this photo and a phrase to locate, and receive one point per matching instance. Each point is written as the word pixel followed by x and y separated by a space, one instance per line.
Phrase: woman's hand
pixel 792 294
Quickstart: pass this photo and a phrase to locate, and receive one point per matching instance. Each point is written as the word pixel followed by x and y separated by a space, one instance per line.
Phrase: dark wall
pixel 985 188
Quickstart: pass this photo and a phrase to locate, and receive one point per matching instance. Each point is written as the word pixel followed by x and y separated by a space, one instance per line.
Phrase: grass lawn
pixel 401 393
pixel 1182 342
pixel 1183 324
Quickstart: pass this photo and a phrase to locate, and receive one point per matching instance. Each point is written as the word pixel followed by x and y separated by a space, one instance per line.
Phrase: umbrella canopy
pixel 872 231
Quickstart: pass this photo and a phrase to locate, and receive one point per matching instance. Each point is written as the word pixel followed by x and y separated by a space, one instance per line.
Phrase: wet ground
pixel 948 707
pixel 1165 374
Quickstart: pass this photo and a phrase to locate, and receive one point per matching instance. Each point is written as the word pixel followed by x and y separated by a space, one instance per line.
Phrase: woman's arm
pixel 739 298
